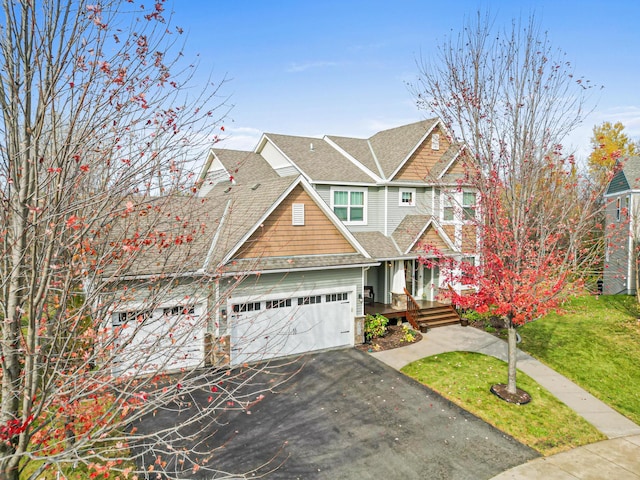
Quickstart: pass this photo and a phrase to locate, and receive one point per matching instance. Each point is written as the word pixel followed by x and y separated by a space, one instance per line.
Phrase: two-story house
pixel 308 235
pixel 622 232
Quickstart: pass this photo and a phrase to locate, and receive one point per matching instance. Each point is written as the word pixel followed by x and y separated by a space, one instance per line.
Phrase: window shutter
pixel 297 213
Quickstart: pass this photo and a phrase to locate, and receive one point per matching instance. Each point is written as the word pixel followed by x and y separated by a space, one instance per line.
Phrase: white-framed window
pixel 627 206
pixel 468 206
pixel 350 204
pixel 465 277
pixel 618 203
pixel 435 141
pixel 458 206
pixel 407 197
pixel 448 207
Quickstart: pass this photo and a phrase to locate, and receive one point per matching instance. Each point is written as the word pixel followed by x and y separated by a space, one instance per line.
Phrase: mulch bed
pixel 520 397
pixel 393 339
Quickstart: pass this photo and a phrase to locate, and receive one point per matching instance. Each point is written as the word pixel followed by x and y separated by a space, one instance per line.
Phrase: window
pixel 246 307
pixel 179 310
pixel 309 300
pixel 337 297
pixel 350 205
pixel 469 205
pixel 458 206
pixel 467 267
pixel 120 318
pixel 297 214
pixel 447 208
pixel 407 197
pixel 618 209
pixel 278 303
pixel 435 141
pixel 627 206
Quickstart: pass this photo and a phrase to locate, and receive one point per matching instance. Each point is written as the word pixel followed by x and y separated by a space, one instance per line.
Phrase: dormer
pixel 276 158
pixel 213 174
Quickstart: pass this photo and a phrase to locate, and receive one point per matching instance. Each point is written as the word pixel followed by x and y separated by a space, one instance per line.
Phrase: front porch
pixel 429 313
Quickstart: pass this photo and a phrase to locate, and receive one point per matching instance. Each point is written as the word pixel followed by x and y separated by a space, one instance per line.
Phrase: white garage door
pixel 289 325
pixel 161 340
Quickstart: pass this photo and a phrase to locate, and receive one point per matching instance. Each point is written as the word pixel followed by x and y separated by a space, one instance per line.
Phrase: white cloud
pixel 242 138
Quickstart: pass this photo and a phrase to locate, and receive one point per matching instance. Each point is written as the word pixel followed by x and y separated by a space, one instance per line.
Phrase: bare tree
pixel 512 99
pixel 97 129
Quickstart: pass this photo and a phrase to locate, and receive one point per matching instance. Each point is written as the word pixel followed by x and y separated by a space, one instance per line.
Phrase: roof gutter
pixel 301 269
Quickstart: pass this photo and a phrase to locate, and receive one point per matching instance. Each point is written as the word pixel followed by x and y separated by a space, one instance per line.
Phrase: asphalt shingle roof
pixel 358 148
pixel 409 229
pixel 393 146
pixel 245 167
pixel 322 163
pixel 378 245
pixel 298 262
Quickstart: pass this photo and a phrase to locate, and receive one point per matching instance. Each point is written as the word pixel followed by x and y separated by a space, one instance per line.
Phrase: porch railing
pixel 412 310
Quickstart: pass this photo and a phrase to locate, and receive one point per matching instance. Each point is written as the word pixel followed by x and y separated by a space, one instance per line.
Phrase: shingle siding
pixel 375 220
pixel 616 268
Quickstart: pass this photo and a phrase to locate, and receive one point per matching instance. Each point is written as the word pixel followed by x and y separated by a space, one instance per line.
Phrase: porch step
pixel 438 316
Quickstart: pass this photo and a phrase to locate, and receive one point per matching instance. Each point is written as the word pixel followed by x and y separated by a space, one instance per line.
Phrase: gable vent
pixel 297 214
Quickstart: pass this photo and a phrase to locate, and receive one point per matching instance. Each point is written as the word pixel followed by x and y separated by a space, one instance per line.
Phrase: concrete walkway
pixel 620 457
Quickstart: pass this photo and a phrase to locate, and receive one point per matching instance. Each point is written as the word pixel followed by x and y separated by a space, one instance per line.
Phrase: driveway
pixel 346 415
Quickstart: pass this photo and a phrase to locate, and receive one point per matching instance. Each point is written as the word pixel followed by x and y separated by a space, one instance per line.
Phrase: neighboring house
pixel 622 234
pixel 300 226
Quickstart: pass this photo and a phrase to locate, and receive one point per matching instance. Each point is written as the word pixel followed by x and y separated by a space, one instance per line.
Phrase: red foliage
pixel 522 273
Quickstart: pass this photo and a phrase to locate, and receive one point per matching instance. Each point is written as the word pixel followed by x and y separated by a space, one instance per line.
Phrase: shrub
pixel 375 326
pixel 408 335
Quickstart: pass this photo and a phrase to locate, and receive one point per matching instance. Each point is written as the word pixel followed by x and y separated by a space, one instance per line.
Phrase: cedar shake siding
pixel 458 167
pixel 430 238
pixel 450 230
pixel 277 237
pixel 422 161
pixel 469 238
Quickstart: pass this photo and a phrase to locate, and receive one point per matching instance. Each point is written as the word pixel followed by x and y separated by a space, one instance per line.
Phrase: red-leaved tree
pixel 512 99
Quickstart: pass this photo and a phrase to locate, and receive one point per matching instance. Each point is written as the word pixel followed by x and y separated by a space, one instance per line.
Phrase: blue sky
pixel 341 67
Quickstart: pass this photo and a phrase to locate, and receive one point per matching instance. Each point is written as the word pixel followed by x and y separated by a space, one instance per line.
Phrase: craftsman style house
pixel 622 209
pixel 306 235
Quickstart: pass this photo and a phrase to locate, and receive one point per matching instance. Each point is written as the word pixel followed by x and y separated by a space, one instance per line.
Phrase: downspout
pixel 386 209
pixel 361 294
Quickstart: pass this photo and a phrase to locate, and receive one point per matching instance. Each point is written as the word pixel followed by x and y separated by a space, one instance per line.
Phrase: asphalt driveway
pixel 346 415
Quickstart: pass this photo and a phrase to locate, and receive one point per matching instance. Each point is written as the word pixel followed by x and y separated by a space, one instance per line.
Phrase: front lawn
pixel 546 424
pixel 595 343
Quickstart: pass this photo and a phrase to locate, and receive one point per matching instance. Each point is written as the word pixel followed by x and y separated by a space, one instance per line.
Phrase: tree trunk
pixel 512 357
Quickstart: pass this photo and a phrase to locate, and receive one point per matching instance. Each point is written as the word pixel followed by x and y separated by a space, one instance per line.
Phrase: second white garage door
pixel 289 325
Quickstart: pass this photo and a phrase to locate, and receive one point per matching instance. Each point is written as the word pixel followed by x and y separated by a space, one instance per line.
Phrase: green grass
pixel 595 343
pixel 545 424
